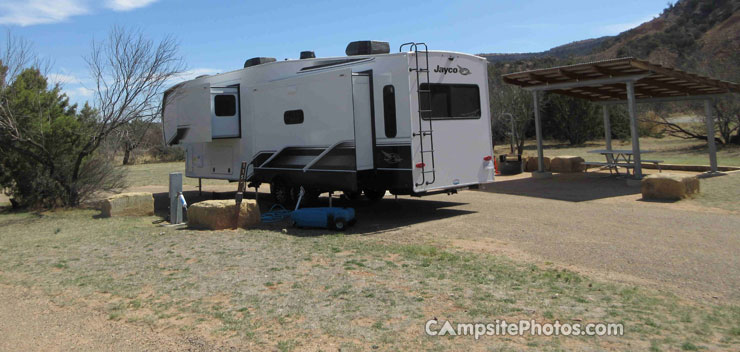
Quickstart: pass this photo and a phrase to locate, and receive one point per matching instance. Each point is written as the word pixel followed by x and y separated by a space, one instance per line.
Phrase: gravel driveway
pixel 598 226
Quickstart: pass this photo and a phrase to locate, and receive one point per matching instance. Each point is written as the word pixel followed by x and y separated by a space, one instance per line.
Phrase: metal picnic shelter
pixel 618 81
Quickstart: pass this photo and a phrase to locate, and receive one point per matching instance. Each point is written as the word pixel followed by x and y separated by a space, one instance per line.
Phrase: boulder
pixel 669 186
pixel 221 214
pixel 567 164
pixel 128 204
pixel 531 164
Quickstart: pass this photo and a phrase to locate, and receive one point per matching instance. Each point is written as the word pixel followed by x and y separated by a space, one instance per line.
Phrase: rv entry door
pixel 362 103
pixel 225 112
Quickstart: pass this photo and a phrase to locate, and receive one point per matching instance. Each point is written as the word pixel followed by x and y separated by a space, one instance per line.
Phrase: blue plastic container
pixel 330 218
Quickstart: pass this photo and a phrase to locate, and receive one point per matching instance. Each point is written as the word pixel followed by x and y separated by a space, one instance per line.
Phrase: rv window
pixel 451 101
pixel 225 105
pixel 389 110
pixel 293 117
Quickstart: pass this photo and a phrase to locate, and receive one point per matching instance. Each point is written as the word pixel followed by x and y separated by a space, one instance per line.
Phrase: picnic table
pixel 616 158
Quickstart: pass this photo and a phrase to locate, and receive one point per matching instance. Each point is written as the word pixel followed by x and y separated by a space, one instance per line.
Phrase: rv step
pixel 428 151
pixel 419 69
pixel 428 172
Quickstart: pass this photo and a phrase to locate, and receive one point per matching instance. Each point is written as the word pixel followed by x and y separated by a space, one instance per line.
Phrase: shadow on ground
pixel 372 217
pixel 576 187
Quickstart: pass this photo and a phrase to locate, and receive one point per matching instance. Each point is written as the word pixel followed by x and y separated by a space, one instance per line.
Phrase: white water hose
pixel 181 198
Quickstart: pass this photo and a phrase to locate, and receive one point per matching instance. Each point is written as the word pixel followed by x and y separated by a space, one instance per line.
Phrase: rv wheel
pixel 282 192
pixel 310 197
pixel 374 194
pixel 349 195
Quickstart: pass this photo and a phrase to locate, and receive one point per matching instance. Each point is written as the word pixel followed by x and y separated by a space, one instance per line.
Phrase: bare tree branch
pixel 130 73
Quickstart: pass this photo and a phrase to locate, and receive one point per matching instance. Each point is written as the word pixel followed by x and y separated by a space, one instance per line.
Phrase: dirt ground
pixel 31 322
pixel 588 223
pixel 595 225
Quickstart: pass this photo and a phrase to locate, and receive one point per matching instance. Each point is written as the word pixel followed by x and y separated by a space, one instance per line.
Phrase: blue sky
pixel 218 35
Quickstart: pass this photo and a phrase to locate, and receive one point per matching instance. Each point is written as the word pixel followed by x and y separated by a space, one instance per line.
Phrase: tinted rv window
pixel 225 105
pixel 389 110
pixel 451 101
pixel 293 117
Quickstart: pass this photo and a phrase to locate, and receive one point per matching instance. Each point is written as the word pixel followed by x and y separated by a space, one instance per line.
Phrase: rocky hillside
pixel 685 35
pixel 579 48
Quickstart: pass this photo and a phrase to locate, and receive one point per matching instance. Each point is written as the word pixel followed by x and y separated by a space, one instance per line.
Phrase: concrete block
pixel 128 204
pixel 665 186
pixel 221 214
pixel 531 164
pixel 567 164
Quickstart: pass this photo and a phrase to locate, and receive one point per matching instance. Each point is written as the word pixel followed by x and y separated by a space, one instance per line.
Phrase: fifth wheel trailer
pixel 414 122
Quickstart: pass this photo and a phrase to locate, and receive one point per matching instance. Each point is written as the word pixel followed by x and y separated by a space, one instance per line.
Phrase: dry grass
pixel 157 175
pixel 271 290
pixel 720 192
pixel 669 149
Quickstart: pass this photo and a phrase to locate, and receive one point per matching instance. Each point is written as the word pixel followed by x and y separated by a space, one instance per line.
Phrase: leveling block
pixel 323 217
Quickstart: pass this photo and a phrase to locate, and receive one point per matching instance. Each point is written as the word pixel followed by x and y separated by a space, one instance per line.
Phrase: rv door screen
pixel 225 112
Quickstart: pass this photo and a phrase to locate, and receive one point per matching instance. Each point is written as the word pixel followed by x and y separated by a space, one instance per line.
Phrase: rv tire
pixel 282 192
pixel 374 195
pixel 350 195
pixel 310 197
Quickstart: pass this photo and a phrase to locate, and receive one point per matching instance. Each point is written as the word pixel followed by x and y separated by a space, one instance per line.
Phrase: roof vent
pixel 307 55
pixel 367 47
pixel 258 61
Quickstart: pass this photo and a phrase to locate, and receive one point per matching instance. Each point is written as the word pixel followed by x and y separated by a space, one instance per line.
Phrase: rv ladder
pixel 423 95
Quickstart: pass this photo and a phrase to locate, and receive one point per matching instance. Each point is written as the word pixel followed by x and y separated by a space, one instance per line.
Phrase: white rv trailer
pixel 414 122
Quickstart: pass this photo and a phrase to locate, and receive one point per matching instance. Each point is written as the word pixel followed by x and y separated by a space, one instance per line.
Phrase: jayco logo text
pixel 459 69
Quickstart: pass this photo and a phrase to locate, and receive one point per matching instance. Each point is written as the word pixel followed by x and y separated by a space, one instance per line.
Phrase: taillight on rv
pixel 487 158
pixel 420 165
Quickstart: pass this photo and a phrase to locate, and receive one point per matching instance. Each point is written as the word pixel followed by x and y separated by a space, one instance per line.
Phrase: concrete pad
pixel 543 174
pixel 128 204
pixel 221 214
pixel 669 186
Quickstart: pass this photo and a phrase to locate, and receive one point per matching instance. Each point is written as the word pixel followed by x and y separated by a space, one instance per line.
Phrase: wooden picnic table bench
pixel 614 156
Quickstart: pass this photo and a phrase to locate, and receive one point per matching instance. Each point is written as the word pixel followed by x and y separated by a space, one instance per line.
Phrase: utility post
pixel 175 191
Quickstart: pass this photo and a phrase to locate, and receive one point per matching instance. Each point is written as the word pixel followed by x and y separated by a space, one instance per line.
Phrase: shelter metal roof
pixel 601 81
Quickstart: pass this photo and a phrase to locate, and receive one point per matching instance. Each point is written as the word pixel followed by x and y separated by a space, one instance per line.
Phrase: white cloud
pixel 617 28
pixel 79 94
pixel 62 78
pixel 127 5
pixel 30 12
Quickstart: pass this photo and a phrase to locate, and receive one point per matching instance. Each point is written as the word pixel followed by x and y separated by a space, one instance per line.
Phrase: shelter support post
pixel 541 173
pixel 636 158
pixel 538 129
pixel 710 134
pixel 607 131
